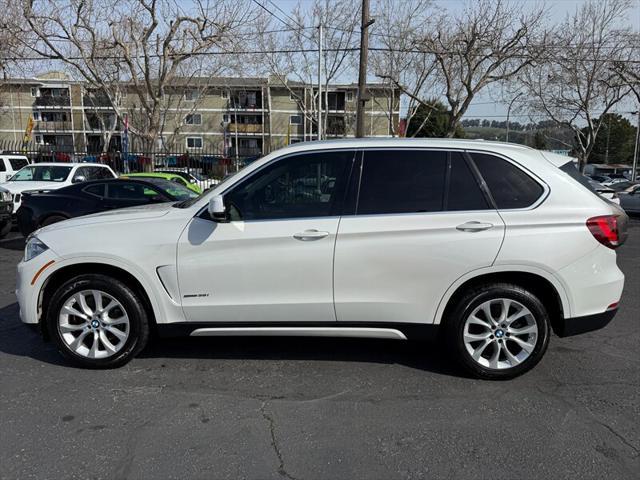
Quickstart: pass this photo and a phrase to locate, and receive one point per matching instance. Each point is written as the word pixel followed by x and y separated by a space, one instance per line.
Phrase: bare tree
pixel 294 62
pixel 576 82
pixel 143 46
pixel 487 43
pixel 629 72
pixel 394 59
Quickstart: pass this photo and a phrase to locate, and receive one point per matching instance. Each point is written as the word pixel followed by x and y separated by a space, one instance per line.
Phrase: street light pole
pixel 634 169
pixel 320 83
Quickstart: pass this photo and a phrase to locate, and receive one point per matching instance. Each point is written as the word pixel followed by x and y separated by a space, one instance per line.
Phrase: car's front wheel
pixel 499 331
pixel 97 321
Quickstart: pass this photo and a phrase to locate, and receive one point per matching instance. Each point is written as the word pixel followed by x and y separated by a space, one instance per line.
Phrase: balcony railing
pixel 49 101
pixel 245 152
pixel 43 126
pixel 244 128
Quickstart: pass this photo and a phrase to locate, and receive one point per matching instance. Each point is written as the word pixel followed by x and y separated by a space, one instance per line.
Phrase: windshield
pixel 176 190
pixel 42 173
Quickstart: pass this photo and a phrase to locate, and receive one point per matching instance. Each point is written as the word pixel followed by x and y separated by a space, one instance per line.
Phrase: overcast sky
pixel 484 106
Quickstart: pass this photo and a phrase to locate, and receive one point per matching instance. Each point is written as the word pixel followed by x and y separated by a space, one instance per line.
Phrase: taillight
pixel 609 230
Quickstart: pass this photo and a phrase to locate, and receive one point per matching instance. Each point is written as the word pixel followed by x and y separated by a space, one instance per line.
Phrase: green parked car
pixel 172 177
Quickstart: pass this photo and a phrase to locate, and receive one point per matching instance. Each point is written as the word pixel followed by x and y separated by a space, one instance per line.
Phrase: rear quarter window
pixel 570 169
pixel 510 186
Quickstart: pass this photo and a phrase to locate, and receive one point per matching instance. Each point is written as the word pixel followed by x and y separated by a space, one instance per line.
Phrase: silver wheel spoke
pixel 513 360
pixel 75 344
pixel 97 298
pixel 107 344
pixel 473 320
pixel 475 337
pixel 82 301
pixel 72 311
pixel 116 321
pixel 495 356
pixel 486 308
pixel 523 330
pixel 478 351
pixel 94 347
pixel 506 304
pixel 115 332
pixel 526 346
pixel 67 327
pixel 517 316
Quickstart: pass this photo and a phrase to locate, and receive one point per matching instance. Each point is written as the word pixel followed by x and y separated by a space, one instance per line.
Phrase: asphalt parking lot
pixel 320 408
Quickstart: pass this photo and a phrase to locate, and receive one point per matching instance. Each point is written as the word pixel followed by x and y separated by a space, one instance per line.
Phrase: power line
pixel 450 53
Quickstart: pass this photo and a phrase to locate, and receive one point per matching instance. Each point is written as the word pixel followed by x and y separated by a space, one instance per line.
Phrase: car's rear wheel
pixel 499 331
pixel 97 321
pixel 5 228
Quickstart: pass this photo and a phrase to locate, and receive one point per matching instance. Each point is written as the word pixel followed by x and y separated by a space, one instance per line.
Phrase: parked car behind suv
pixel 42 209
pixel 6 207
pixel 10 164
pixel 490 245
pixel 44 177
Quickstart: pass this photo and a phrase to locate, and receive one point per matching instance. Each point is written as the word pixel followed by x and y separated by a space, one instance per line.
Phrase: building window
pixel 294 140
pixel 225 118
pixel 194 142
pixel 349 96
pixel 224 94
pixel 295 119
pixel 193 119
pixel 36 116
pixel 38 139
pixel 35 92
pixel 191 95
pixel 293 96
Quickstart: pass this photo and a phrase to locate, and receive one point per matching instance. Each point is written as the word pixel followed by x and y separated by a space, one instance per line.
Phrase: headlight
pixel 33 248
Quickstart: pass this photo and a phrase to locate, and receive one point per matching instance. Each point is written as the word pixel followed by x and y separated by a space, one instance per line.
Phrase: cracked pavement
pixel 269 408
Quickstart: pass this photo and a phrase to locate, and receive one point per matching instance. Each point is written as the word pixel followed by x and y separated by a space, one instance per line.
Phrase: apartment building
pixel 231 116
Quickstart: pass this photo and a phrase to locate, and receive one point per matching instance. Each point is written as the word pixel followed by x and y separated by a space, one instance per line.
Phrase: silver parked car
pixel 630 199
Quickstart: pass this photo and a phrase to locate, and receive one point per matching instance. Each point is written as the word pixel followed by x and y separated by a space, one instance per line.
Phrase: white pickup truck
pixel 10 164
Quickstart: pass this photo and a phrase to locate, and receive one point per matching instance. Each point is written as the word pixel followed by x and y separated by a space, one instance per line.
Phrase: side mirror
pixel 79 179
pixel 217 210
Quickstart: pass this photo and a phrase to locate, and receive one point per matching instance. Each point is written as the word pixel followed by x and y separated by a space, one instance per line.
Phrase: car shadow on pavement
pixel 423 355
pixel 16 243
pixel 20 340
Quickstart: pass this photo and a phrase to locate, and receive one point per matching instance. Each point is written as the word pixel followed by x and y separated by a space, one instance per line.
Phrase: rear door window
pixel 464 192
pixel 510 186
pixel 402 181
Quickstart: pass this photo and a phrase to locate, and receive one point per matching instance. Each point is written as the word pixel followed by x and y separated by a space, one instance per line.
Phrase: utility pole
pixel 634 169
pixel 320 83
pixel 362 73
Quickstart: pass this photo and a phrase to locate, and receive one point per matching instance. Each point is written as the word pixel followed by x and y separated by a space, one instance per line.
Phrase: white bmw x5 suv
pixel 491 245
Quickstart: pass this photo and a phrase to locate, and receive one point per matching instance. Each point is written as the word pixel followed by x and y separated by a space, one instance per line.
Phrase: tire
pixel 5 228
pixel 126 315
pixel 52 219
pixel 520 344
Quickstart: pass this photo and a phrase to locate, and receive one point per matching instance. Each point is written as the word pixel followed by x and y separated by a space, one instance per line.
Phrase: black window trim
pixel 204 214
pixel 545 188
pixel 104 190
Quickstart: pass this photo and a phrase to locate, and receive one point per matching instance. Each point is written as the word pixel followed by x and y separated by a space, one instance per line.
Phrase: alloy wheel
pixel 500 333
pixel 93 324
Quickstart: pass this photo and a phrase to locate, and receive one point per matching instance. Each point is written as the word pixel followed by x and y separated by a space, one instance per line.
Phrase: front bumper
pixel 30 278
pixel 577 325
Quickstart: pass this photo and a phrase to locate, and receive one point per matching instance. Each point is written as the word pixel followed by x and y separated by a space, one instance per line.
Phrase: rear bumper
pixel 577 325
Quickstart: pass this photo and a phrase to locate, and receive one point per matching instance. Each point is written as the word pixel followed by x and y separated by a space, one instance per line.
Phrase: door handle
pixel 309 235
pixel 474 226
